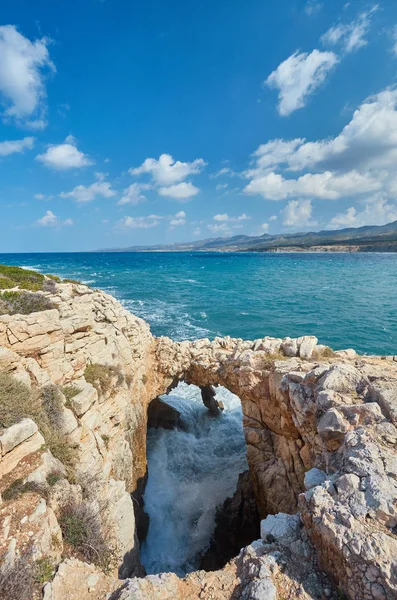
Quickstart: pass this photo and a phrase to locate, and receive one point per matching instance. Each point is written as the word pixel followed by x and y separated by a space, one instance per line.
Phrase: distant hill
pixel 371 238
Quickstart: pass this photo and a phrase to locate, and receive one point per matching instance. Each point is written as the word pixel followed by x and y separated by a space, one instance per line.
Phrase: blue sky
pixel 127 123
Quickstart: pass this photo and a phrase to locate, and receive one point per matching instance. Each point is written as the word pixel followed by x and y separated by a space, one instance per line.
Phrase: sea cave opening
pixel 196 457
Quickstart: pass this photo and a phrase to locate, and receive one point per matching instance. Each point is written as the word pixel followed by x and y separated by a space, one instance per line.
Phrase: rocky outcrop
pixel 321 441
pixel 236 526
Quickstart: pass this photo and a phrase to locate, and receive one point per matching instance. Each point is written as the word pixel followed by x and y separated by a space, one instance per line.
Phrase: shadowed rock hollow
pixel 321 436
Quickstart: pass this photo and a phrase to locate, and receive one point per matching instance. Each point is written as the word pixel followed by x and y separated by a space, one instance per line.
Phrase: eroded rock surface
pixel 321 441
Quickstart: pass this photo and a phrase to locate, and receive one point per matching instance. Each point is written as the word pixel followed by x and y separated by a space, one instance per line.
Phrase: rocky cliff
pixel 321 436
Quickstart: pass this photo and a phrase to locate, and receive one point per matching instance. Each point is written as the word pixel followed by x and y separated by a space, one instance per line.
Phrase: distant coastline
pixel 376 238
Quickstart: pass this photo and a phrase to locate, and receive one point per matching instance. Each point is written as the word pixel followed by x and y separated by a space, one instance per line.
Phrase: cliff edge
pixel 77 376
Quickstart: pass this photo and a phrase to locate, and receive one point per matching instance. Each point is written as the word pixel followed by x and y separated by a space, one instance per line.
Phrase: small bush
pixel 44 570
pixel 53 478
pixel 101 376
pixel 17 402
pixel 23 277
pixel 6 283
pixel 24 303
pixel 326 352
pixel 72 281
pixel 81 530
pixel 17 580
pixel 49 286
pixel 70 391
pixel 17 488
pixel 54 278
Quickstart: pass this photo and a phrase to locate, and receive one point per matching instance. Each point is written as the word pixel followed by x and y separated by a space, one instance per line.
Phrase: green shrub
pixel 70 391
pixel 53 478
pixel 101 376
pixel 6 283
pixel 44 570
pixel 23 277
pixel 24 303
pixel 72 281
pixel 54 278
pixel 82 531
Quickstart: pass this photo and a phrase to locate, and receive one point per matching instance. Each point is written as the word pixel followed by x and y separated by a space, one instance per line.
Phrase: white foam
pixel 191 473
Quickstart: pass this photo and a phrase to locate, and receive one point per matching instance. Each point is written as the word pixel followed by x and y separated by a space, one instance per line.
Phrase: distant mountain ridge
pixel 370 238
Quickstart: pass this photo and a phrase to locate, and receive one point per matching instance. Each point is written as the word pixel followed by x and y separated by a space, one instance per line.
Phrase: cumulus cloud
pixel 264 228
pixel 227 219
pixel 51 220
pixel 139 222
pixel 377 212
pixel 360 160
pixel 298 213
pixel 351 36
pixel 166 171
pixel 327 185
pixel 298 77
pixel 180 191
pixel 64 156
pixel 168 176
pixel 22 68
pixel 88 193
pixel 14 146
pixel 178 219
pixel 133 194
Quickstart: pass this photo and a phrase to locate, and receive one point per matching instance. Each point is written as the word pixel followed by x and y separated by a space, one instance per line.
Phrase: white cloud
pixel 227 219
pixel 264 228
pixel 222 172
pixel 394 36
pixel 197 231
pixel 377 212
pixel 178 219
pixel 51 220
pixel 133 194
pixel 327 185
pixel 39 196
pixel 368 141
pixel 87 193
pixel 65 156
pixel 312 7
pixel 22 68
pixel 180 191
pixel 350 35
pixel 165 171
pixel 298 77
pixel 13 146
pixel 221 186
pixel 360 160
pixel 298 213
pixel 139 222
pixel 273 218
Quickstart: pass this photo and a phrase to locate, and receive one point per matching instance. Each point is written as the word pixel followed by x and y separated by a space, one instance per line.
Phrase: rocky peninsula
pixel 78 374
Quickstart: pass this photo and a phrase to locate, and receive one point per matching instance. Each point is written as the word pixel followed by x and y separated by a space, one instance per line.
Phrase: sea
pixel 346 300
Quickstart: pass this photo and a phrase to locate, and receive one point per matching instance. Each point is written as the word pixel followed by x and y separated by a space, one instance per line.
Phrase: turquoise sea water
pixel 346 300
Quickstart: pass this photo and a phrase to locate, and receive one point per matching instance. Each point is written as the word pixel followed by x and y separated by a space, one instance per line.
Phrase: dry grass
pixel 324 353
pixel 102 376
pixel 17 581
pixel 44 406
pixel 83 532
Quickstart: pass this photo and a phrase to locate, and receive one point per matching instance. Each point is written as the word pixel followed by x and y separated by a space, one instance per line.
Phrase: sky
pixel 145 122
